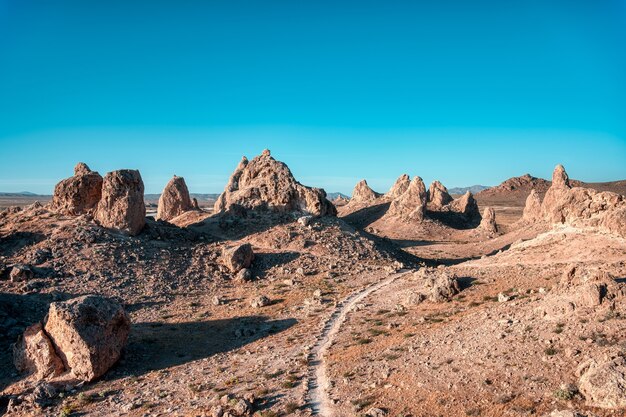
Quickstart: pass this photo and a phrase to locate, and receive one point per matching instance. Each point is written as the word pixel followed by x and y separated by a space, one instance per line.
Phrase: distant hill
pixel 523 184
pixel 472 189
pixel 22 194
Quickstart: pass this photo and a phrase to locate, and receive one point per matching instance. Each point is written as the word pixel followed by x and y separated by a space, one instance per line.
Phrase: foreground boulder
pixel 122 206
pixel 438 195
pixel 411 205
pixel 434 285
pixel 603 381
pixel 264 183
pixel 174 200
pixel 79 194
pixel 89 334
pixel 83 337
pixel 238 257
pixel 34 353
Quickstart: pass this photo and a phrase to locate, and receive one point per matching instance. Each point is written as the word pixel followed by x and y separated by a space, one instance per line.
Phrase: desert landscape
pixel 278 301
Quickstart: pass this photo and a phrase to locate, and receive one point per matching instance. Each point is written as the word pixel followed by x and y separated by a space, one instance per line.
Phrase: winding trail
pixel 317 398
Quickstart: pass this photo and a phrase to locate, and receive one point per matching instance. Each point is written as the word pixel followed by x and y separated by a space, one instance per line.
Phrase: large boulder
pixel 79 194
pixel 34 353
pixel 399 187
pixel 88 333
pixel 174 200
pixel 438 195
pixel 532 209
pixel 238 257
pixel 411 205
pixel 434 284
pixel 265 183
pixel 603 381
pixel 488 222
pixel 122 205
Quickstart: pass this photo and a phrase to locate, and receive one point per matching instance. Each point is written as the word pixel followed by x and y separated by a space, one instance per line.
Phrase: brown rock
pixel 34 353
pixel 532 209
pixel 435 285
pixel 466 205
pixel 264 183
pixel 603 382
pixel 89 333
pixel 411 205
pixel 238 257
pixel 399 187
pixel 438 195
pixel 488 222
pixel 122 206
pixel 363 193
pixel 174 199
pixel 194 204
pixel 78 194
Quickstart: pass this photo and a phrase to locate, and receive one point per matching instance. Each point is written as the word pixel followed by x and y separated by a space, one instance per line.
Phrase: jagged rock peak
pixel 174 199
pixel 399 187
pixel 82 168
pixel 438 195
pixel 559 177
pixel 362 192
pixel 411 205
pixel 265 183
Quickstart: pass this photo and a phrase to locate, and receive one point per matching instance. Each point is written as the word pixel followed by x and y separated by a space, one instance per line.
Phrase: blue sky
pixel 464 92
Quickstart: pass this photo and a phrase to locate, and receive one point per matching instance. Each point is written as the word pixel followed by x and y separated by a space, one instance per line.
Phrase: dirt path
pixel 318 383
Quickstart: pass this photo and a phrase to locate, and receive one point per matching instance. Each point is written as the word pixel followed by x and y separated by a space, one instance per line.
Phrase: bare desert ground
pixel 274 301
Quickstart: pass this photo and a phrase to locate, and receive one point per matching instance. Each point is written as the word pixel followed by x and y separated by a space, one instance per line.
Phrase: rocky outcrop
pixel 399 187
pixel 122 205
pixel 34 353
pixel 238 257
pixel 174 200
pixel 488 222
pixel 583 207
pixel 83 337
pixel 79 194
pixel 411 205
pixel 264 183
pixel 603 381
pixel 434 285
pixel 532 209
pixel 466 205
pixel 438 196
pixel 362 193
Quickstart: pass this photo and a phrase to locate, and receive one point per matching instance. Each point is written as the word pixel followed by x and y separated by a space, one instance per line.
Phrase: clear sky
pixel 467 92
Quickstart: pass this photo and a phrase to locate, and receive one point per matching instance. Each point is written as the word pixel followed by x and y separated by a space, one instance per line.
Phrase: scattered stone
pixel 375 412
pixel 174 200
pixel 238 257
pixel 244 275
pixel 260 301
pixel 305 220
pixel 503 298
pixel 122 206
pixel 21 273
pixel 216 300
pixel 34 353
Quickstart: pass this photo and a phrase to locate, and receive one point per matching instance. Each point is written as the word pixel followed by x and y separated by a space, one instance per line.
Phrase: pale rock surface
pixel 532 209
pixel 34 353
pixel 79 194
pixel 603 381
pixel 399 187
pixel 174 199
pixel 466 205
pixel 438 195
pixel 362 193
pixel 264 183
pixel 122 205
pixel 488 222
pixel 89 333
pixel 411 205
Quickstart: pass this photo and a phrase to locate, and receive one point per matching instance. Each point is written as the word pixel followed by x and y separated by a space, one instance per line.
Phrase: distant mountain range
pixel 23 194
pixel 333 196
pixel 472 189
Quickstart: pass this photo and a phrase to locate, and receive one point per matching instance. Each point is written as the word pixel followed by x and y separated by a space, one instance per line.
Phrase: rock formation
pixel 532 209
pixel 122 206
pixel 399 187
pixel 603 381
pixel 411 205
pixel 264 183
pixel 174 200
pixel 466 205
pixel 78 194
pixel 488 222
pixel 438 195
pixel 434 285
pixel 362 193
pixel 83 336
pixel 238 257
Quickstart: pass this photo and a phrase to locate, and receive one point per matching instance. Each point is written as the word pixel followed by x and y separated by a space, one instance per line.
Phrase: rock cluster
pixel 122 205
pixel 175 200
pixel 438 196
pixel 83 336
pixel 265 183
pixel 78 194
pixel 411 205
